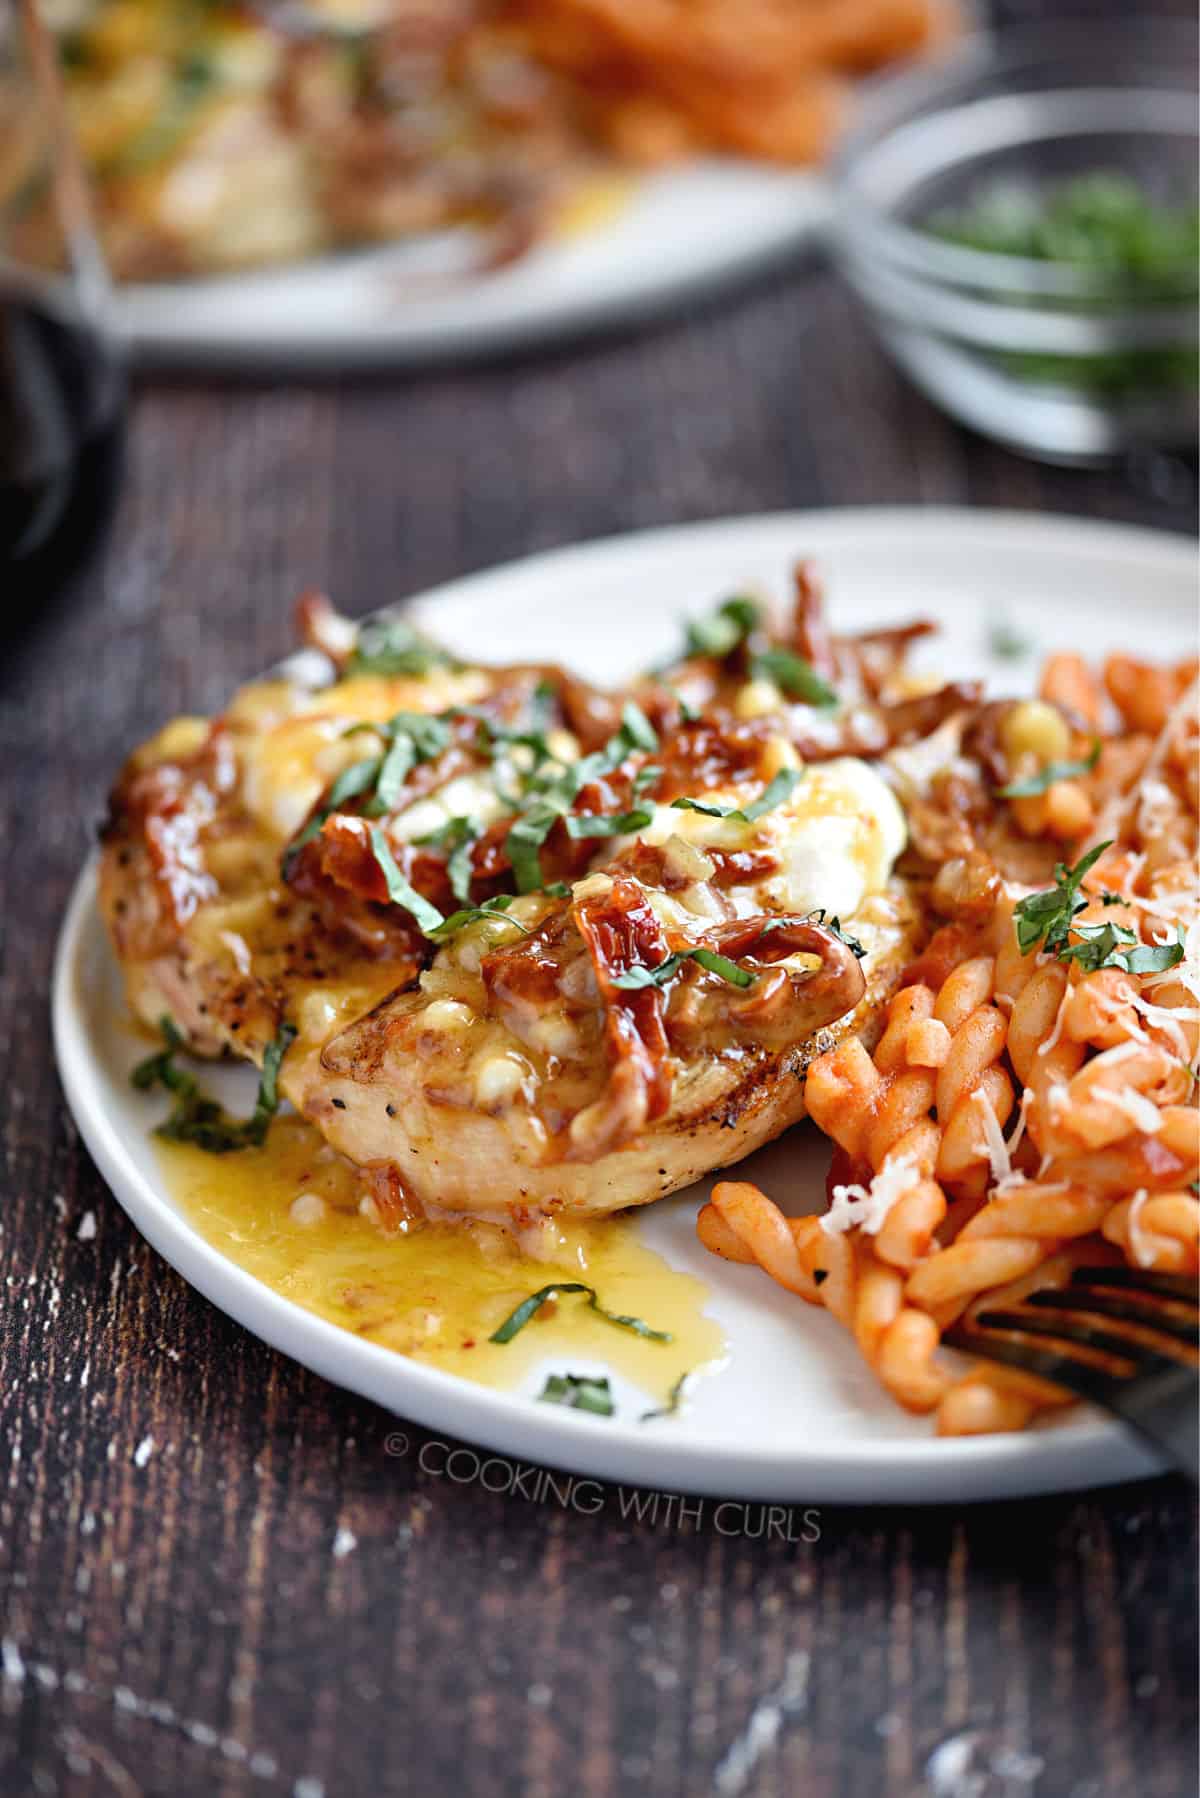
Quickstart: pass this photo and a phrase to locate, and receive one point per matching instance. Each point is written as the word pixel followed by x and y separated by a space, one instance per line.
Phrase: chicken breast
pixel 536 948
pixel 508 1085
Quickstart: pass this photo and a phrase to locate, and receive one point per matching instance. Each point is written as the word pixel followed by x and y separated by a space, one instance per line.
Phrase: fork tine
pixel 1151 1387
pixel 1062 1370
pixel 1167 1286
pixel 1141 1358
pixel 1152 1316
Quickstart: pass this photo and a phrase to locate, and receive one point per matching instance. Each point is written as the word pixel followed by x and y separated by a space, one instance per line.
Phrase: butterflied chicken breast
pixel 534 947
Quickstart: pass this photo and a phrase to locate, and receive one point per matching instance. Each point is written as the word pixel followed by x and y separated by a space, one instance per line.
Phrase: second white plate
pixel 679 232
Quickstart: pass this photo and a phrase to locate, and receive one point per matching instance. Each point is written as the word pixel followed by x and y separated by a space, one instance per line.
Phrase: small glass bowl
pixel 1067 363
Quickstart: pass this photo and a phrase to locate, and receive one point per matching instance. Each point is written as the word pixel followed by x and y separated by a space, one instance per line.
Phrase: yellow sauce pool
pixel 437 1293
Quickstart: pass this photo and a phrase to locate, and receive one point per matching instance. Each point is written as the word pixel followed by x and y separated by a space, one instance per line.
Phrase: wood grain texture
pixel 176 1619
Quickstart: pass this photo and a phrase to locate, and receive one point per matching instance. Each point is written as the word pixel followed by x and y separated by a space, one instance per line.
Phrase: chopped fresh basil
pixel 773 794
pixel 456 840
pixel 196 79
pixel 524 841
pixel 579 1392
pixel 1114 946
pixel 795 677
pixel 459 866
pixel 360 778
pixel 1045 918
pixel 723 630
pixel 1046 777
pixel 1006 643
pixel 266 1103
pixel 542 707
pixel 1048 919
pixel 611 824
pixel 636 729
pixel 398 764
pixel 635 732
pixel 721 964
pixel 832 925
pixel 200 1120
pixel 411 737
pixel 549 795
pixel 558 889
pixel 471 914
pixel 674 1400
pixel 495 739
pixel 530 1307
pixel 390 646
pixel 401 891
pixel 688 713
pixel 637 978
pixel 684 804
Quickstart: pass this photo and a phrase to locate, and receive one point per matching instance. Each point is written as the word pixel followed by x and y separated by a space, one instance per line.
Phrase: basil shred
pixel 674 1400
pixel 579 1392
pixel 773 794
pixel 530 1307
pixel 551 789
pixel 200 1120
pixel 390 646
pixel 731 626
pixel 637 978
pixel 1047 920
pixel 1133 248
pixel 1045 778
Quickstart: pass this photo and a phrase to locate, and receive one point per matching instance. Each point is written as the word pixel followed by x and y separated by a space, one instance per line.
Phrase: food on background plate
pixel 528 952
pixel 229 135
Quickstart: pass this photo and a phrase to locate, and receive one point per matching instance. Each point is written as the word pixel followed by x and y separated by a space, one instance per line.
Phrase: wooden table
pixel 216 1578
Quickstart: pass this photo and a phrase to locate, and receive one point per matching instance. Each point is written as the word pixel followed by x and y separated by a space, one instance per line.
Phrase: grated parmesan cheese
pixel 867 1207
pixel 1142 1112
pixel 1014 1141
pixel 1052 1041
pixel 1186 972
pixel 1168 1020
pixel 1156 808
pixel 1121 806
pixel 1137 1242
pixel 993 1137
pixel 1115 1006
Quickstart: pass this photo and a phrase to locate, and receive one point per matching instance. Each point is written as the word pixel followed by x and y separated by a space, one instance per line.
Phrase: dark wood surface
pixel 180 1620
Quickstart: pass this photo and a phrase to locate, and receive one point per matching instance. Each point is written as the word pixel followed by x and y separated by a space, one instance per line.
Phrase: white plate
pixel 679 232
pixel 795 1414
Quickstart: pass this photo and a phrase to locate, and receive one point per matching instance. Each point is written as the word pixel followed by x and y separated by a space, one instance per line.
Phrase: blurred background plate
pixel 679 233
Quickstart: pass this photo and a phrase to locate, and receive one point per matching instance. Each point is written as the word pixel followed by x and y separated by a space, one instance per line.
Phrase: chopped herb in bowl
pixel 1131 248
pixel 1103 223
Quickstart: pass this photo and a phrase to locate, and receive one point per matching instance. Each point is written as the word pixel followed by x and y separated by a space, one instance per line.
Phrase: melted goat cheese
pixel 835 837
pixel 293 743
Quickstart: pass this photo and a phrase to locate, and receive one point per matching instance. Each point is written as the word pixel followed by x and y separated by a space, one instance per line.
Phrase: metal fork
pixel 1140 1363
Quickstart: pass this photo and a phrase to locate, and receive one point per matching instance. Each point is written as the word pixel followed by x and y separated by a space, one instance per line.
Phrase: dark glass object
pixel 62 380
pixel 61 439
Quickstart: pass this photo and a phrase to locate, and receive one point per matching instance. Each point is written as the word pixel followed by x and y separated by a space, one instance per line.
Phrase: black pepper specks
pixel 339 1104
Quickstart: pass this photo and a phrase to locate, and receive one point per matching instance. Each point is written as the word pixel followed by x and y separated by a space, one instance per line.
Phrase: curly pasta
pixel 1081 1044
